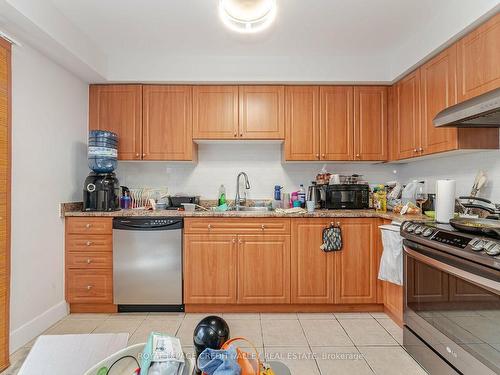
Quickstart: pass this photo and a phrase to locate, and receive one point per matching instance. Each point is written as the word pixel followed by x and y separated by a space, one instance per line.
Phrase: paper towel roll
pixel 445 200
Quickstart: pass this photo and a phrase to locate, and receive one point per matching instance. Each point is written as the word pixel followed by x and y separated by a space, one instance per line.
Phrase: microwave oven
pixel 346 196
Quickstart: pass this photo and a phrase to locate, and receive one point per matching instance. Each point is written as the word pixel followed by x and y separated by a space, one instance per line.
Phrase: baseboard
pixel 28 331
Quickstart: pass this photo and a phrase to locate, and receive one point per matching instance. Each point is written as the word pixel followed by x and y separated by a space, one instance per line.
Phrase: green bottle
pixel 222 196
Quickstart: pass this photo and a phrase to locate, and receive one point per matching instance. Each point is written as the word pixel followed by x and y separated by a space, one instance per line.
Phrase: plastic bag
pixel 391 262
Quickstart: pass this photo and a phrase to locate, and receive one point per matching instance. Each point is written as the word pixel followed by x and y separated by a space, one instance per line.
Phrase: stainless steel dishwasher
pixel 147 264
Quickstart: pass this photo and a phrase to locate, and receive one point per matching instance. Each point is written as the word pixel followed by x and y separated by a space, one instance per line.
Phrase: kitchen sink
pixel 254 209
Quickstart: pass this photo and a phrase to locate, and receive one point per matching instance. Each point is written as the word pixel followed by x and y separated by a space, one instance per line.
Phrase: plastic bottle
pixel 222 196
pixel 277 192
pixel 302 196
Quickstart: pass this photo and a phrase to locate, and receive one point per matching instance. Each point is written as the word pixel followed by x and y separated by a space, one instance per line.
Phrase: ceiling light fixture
pixel 247 16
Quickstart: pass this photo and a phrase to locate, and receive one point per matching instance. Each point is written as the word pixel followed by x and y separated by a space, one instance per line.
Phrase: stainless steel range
pixel 452 299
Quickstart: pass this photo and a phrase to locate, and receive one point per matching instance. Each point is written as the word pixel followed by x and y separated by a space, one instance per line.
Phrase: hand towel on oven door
pixel 391 262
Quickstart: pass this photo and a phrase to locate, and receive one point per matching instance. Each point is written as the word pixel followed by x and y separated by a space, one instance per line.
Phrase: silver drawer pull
pixel 89 287
pixel 209 226
pixel 89 261
pixel 88 225
pixel 88 243
pixel 263 227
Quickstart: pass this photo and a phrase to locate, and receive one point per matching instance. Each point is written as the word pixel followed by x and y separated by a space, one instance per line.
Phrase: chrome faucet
pixel 238 201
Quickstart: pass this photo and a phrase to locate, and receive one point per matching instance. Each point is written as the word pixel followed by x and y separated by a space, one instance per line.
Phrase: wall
pixel 49 114
pixel 462 168
pixel 220 163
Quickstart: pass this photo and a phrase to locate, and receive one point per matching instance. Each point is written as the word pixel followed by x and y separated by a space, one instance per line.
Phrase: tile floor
pixel 326 344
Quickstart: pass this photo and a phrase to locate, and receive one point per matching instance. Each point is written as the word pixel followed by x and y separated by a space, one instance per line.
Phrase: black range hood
pixel 483 111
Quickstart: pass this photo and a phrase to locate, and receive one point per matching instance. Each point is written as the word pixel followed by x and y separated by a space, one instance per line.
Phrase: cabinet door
pixel 312 269
pixel 336 122
pixel 407 124
pixel 262 112
pixel 215 112
pixel 263 269
pixel 370 123
pixel 118 108
pixel 210 264
pixel 302 123
pixel 356 263
pixel 167 124
pixel 438 91
pixel 478 57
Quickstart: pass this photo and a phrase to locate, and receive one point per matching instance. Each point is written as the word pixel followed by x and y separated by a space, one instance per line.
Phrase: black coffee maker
pixel 101 192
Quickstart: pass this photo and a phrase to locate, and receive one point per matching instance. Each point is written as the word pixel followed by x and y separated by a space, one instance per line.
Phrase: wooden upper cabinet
pixel 302 123
pixel 312 270
pixel 336 122
pixel 118 108
pixel 438 91
pixel 356 263
pixel 215 112
pixel 407 112
pixel 478 60
pixel 263 269
pixel 167 123
pixel 261 112
pixel 370 123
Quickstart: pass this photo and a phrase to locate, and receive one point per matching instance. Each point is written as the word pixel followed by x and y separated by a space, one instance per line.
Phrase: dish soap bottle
pixel 222 196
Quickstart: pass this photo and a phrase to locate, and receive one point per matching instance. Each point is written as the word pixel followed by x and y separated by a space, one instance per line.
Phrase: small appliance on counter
pixel 175 202
pixel 317 194
pixel 101 190
pixel 346 196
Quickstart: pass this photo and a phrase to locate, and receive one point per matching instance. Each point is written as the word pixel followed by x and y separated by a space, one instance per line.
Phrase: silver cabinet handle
pixel 240 241
pixel 420 149
pixel 88 225
pixel 89 287
pixel 234 240
pixel 317 156
pixel 89 261
pixel 357 155
pixel 137 155
pixel 143 155
pixel 209 226
pixel 88 243
pixel 263 226
pixel 323 156
pixel 415 150
pixel 235 134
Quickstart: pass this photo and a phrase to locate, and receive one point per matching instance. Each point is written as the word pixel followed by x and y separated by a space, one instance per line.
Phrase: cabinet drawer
pixel 90 260
pixel 89 286
pixel 89 225
pixel 237 225
pixel 85 242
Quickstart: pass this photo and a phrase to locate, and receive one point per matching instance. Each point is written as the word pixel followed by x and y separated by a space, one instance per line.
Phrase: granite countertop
pixel 318 213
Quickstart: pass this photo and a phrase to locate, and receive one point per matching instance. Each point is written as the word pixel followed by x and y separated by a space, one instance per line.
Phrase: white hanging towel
pixel 391 263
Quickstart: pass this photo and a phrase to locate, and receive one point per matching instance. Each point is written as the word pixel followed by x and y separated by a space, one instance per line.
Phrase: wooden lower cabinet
pixel 356 263
pixel 95 286
pixel 263 269
pixel 89 264
pixel 210 263
pixel 312 269
pixel 393 301
pixel 252 268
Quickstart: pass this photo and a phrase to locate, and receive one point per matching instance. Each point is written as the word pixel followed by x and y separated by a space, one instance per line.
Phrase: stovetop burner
pixel 444 237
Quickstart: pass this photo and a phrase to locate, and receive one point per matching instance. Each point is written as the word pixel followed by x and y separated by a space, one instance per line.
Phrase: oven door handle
pixel 491 285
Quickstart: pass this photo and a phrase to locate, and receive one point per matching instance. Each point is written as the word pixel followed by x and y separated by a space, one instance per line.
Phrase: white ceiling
pixel 314 40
